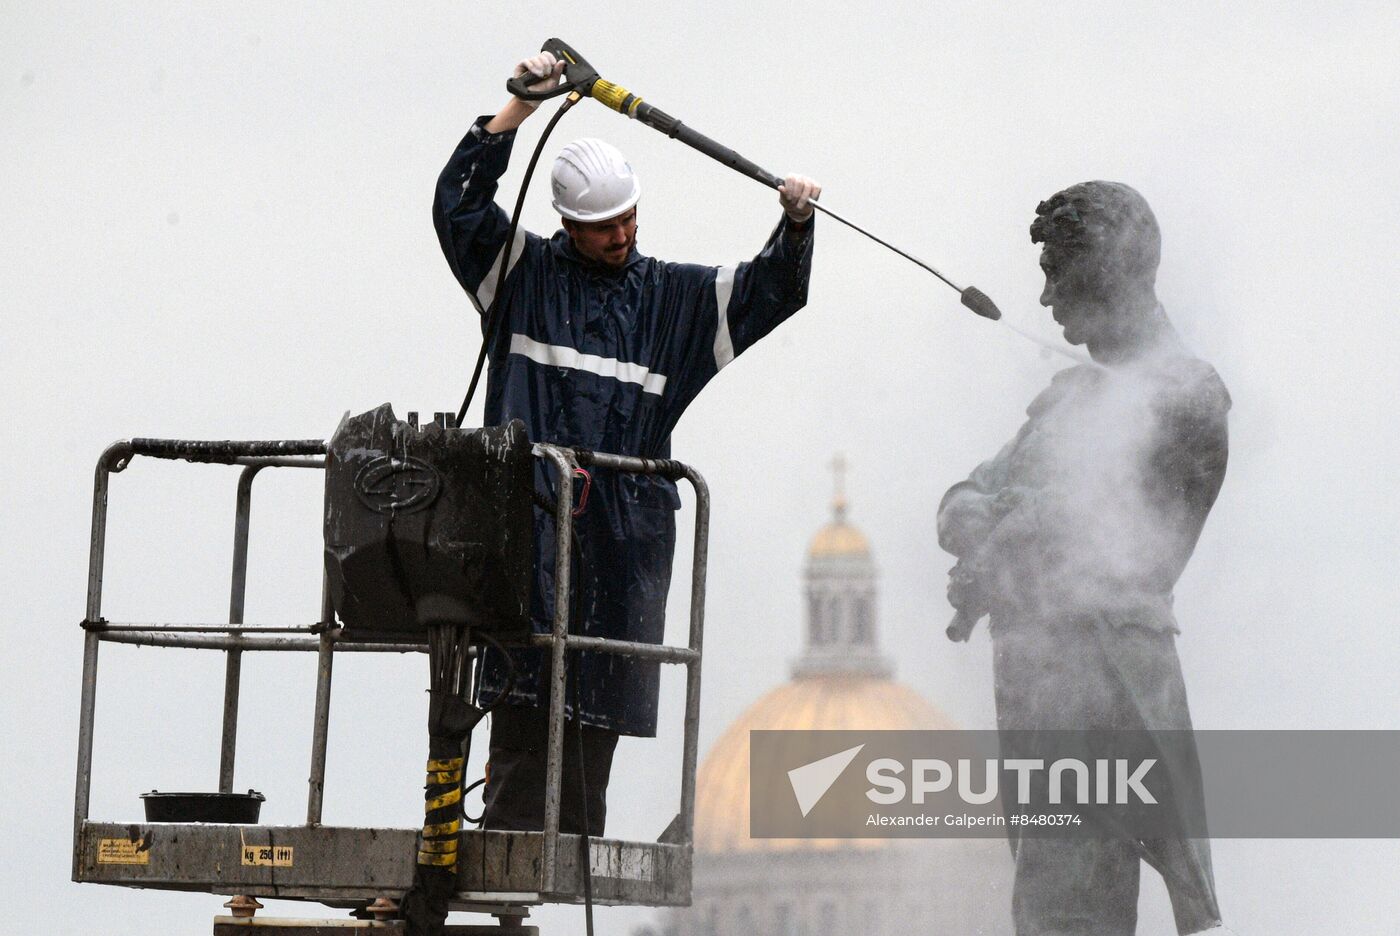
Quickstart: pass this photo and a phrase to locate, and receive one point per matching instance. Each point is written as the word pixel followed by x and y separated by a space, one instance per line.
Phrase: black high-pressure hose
pixel 494 314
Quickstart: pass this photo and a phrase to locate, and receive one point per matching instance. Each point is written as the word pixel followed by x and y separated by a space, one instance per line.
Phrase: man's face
pixel 1072 293
pixel 605 242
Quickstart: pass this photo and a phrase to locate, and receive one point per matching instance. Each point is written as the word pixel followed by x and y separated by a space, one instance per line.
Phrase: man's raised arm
pixel 471 227
pixel 757 296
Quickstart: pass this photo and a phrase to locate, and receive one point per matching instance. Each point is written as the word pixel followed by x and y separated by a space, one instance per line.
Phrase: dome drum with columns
pixel 841 611
pixel 806 887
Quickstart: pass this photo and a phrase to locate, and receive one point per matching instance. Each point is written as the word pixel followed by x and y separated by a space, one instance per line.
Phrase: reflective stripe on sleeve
pixel 563 356
pixel 486 291
pixel 724 345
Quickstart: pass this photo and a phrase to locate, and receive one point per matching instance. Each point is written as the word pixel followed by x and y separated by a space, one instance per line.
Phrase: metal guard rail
pixel 235 637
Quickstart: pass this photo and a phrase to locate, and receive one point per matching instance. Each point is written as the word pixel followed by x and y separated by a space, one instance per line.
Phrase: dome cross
pixel 838 498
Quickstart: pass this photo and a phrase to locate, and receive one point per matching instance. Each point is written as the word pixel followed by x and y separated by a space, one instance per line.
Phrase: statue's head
pixel 1100 255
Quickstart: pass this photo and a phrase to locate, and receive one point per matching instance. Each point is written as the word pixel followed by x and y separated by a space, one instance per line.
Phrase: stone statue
pixel 1072 538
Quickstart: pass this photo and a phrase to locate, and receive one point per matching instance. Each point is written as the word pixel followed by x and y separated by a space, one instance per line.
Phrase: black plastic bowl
pixel 203 807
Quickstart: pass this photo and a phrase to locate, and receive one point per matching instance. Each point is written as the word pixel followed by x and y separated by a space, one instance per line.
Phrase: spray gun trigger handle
pixel 519 86
pixel 578 74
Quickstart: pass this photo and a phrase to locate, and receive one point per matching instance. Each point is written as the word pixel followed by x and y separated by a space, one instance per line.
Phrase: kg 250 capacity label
pixel 270 856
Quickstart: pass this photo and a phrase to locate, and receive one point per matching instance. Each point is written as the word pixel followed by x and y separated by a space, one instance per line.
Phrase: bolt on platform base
pixel 243 907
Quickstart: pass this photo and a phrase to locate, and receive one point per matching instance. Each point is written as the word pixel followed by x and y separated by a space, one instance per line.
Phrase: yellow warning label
pixel 123 851
pixel 270 856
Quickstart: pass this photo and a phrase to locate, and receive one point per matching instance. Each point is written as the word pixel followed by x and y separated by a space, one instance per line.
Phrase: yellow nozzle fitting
pixel 616 97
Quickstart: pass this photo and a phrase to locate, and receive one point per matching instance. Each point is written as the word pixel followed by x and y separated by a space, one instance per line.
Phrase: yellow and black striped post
pixel 442 814
pixel 451 718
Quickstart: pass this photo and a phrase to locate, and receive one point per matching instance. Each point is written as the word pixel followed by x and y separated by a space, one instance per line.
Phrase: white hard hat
pixel 593 182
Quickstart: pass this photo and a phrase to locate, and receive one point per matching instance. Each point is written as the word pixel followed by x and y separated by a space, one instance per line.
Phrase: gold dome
pixel 838 538
pixel 837 703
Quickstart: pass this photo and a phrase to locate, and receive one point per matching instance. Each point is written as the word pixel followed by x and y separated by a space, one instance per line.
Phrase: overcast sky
pixel 216 225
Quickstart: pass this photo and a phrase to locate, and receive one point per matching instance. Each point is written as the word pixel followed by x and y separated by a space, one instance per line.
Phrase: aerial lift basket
pixel 500 872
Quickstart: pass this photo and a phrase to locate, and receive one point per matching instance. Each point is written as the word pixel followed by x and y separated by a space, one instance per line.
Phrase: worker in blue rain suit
pixel 602 348
pixel 1073 537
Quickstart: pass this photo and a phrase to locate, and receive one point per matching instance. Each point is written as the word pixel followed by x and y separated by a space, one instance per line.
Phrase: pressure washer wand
pixel 581 77
pixel 971 296
pixel 903 253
